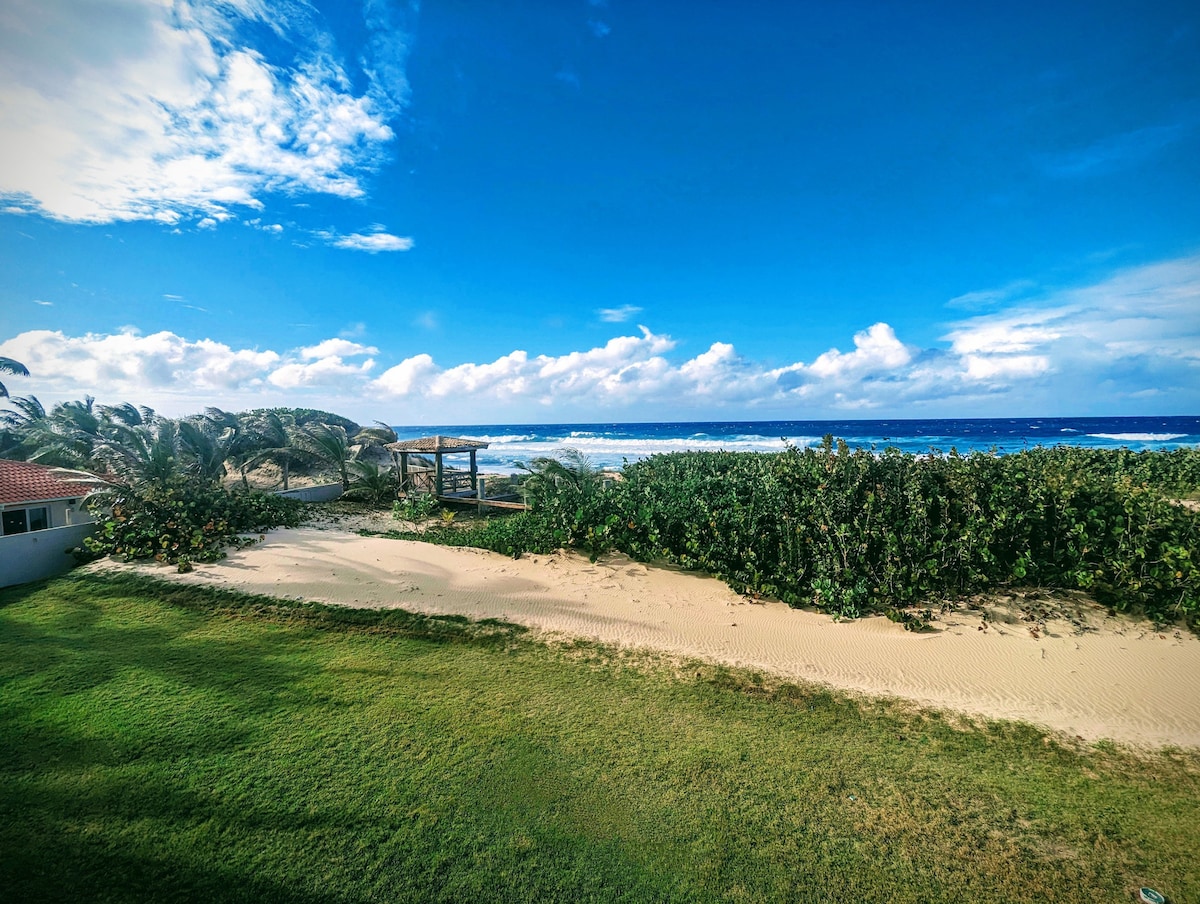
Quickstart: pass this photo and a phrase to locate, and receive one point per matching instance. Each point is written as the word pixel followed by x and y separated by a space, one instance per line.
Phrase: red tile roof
pixel 24 481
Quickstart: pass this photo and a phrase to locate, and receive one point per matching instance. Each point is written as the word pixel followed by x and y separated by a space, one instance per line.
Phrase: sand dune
pixel 1093 676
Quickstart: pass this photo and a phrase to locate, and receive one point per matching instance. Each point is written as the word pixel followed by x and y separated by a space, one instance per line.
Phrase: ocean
pixel 610 445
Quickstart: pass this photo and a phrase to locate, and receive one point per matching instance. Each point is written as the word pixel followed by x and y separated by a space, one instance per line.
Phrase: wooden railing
pixel 456 482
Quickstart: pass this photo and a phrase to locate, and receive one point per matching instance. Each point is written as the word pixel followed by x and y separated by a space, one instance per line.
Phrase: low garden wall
pixel 40 553
pixel 324 493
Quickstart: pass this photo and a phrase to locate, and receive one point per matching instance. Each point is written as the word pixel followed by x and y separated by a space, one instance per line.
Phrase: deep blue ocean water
pixel 609 445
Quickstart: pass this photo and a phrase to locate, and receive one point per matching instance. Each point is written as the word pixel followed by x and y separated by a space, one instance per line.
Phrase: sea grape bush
pixel 855 531
pixel 510 535
pixel 184 521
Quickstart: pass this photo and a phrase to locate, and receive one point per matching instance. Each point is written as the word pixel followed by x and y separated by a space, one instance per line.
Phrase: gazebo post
pixel 437 446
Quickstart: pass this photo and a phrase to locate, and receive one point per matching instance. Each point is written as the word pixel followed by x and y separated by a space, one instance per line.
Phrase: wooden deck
pixel 468 499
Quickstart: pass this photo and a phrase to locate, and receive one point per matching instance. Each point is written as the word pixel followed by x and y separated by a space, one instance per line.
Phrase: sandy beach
pixel 1074 670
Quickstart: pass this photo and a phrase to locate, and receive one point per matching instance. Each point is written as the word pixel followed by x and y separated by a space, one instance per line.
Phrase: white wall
pixel 39 553
pixel 324 493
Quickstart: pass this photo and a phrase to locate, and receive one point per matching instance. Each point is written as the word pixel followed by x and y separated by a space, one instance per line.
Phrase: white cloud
pixel 45 304
pixel 152 110
pixel 1145 318
pixel 130 364
pixel 875 349
pixel 618 315
pixel 325 372
pixel 372 242
pixel 987 298
pixel 408 376
pixel 1108 348
pixel 343 348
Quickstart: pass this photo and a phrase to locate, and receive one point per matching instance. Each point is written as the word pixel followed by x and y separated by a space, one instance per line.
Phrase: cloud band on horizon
pixel 1137 332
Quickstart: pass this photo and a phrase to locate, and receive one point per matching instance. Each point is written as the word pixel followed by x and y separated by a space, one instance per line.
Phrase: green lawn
pixel 165 743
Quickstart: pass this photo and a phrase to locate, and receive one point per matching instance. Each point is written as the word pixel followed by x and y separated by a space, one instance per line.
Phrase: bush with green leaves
pixel 415 508
pixel 855 531
pixel 184 521
pixel 510 535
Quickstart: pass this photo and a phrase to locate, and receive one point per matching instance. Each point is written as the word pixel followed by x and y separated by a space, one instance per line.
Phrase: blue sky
pixel 594 211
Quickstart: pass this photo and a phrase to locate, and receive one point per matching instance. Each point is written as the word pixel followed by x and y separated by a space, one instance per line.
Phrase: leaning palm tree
pixel 209 440
pixel 372 437
pixel 568 470
pixel 24 426
pixel 326 443
pixel 9 366
pixel 67 437
pixel 371 483
pixel 148 453
pixel 274 439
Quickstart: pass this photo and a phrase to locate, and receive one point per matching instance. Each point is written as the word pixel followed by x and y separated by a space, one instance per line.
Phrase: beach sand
pixel 1075 670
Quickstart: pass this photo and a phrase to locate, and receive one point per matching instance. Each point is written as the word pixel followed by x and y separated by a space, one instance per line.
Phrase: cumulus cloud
pixel 875 349
pixel 145 110
pixel 128 363
pixel 342 348
pixel 175 373
pixel 1126 339
pixel 329 372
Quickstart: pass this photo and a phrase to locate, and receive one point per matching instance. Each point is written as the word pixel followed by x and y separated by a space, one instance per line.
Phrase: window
pixel 18 521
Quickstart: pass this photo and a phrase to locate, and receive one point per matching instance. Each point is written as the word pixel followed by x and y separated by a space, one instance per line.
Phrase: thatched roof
pixel 437 444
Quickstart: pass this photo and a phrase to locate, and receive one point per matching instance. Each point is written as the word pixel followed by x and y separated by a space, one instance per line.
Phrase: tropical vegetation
pixel 9 366
pixel 180 489
pixel 861 531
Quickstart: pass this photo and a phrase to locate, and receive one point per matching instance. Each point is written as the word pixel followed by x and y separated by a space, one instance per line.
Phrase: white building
pixel 42 516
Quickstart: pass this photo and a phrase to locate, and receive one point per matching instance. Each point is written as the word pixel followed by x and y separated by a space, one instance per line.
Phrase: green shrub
pixel 184 522
pixel 855 531
pixel 415 508
pixel 511 535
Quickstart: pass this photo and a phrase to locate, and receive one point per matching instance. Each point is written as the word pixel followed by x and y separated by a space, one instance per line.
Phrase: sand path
pixel 1119 680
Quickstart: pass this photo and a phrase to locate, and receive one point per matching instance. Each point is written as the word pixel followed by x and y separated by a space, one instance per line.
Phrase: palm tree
pixel 371 437
pixel 568 471
pixel 146 453
pixel 21 426
pixel 210 439
pixel 372 483
pixel 67 437
pixel 328 444
pixel 274 433
pixel 9 366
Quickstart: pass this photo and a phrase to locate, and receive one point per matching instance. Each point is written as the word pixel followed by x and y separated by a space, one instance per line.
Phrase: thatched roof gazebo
pixel 445 481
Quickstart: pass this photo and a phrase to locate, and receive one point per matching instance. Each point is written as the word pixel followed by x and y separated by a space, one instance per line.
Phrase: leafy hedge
pixel 857 532
pixel 185 522
pixel 510 535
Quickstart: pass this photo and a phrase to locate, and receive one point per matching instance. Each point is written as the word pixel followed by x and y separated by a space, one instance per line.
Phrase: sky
pixel 558 211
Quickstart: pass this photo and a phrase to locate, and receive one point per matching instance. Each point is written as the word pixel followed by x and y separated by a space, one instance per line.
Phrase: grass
pixel 176 743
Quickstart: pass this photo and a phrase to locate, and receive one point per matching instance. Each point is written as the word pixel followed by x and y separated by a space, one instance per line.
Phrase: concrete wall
pixel 324 493
pixel 40 553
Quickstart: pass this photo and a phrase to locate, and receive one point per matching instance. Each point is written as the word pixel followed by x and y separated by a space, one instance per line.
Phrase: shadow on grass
pixel 87 589
pixel 120 698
